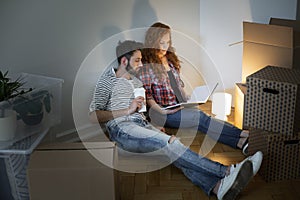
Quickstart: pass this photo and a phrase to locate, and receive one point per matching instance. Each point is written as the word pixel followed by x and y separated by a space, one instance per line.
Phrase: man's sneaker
pixel 238 178
pixel 256 160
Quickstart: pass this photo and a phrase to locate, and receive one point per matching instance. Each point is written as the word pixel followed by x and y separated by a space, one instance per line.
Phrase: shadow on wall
pixel 143 14
pixel 261 15
pixel 107 31
pixel 103 57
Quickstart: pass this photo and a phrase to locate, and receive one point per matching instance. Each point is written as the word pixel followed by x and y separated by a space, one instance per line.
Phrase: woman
pixel 164 87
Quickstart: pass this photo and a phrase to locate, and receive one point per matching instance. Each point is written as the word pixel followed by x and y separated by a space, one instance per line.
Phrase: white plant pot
pixel 8 125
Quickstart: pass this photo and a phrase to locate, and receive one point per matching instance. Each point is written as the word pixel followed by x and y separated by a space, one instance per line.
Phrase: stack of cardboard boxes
pixel 275 44
pixel 268 103
pixel 273 113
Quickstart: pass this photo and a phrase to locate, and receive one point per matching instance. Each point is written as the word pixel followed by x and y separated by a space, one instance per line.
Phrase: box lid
pixel 295 24
pixel 271 76
pixel 72 155
pixel 273 35
pixel 76 146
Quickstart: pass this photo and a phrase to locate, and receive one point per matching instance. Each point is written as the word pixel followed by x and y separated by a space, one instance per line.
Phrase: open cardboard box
pixel 69 171
pixel 275 44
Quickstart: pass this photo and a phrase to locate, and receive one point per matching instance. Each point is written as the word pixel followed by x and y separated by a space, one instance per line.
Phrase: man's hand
pixel 136 104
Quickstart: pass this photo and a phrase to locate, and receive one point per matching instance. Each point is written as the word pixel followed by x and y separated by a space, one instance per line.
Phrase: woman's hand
pixel 153 105
pixel 171 111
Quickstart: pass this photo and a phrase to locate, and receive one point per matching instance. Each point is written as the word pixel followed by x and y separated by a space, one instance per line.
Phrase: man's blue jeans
pixel 138 136
pixel 219 130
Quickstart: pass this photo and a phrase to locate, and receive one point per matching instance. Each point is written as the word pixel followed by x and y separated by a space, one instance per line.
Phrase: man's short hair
pixel 127 48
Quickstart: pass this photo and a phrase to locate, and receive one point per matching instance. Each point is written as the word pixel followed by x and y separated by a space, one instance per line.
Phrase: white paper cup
pixel 141 92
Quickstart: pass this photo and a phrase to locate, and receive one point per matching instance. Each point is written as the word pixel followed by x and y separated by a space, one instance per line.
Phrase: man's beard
pixel 130 70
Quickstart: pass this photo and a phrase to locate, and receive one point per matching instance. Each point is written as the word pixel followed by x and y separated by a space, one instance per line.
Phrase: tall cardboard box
pixel 68 171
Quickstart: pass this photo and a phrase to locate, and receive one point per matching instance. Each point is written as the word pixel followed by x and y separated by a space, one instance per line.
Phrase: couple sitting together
pixel 155 66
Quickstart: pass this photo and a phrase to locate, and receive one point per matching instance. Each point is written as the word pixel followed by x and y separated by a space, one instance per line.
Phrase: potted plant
pixel 30 108
pixel 8 91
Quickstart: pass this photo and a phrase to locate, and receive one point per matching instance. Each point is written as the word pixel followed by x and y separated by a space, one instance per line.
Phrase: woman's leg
pixel 219 130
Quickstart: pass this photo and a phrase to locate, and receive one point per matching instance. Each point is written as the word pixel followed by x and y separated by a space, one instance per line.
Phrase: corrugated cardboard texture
pixel 70 172
pixel 271 101
pixel 281 154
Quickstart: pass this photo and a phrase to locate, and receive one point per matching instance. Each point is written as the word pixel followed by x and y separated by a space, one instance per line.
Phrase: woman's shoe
pixel 245 149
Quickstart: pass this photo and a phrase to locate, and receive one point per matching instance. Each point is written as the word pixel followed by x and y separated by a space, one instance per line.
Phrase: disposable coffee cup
pixel 141 92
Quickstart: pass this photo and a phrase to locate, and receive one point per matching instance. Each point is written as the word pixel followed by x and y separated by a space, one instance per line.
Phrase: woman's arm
pixel 153 105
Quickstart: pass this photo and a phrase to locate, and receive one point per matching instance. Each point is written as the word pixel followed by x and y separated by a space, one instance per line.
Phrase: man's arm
pixel 102 116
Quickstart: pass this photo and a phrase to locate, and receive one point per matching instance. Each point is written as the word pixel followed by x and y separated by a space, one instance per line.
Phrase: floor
pixel 169 183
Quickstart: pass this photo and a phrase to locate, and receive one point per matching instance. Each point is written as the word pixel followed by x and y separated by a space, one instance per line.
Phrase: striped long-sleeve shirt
pixel 112 93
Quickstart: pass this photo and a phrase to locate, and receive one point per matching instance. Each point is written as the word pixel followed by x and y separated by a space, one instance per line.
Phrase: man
pixel 115 105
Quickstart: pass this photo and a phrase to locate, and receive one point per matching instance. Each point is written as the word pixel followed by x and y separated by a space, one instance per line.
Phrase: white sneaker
pixel 256 160
pixel 238 178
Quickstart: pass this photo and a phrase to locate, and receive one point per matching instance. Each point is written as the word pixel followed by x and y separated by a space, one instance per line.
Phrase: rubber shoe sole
pixel 244 176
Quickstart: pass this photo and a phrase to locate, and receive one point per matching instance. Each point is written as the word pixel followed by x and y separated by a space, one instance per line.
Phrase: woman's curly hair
pixel 151 49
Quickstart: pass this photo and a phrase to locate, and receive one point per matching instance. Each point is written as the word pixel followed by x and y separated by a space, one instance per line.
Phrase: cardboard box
pixel 69 171
pixel 276 44
pixel 265 44
pixel 295 24
pixel 240 92
pixel 272 100
pixel 281 154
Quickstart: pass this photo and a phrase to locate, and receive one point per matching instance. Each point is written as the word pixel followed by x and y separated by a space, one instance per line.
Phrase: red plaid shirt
pixel 160 90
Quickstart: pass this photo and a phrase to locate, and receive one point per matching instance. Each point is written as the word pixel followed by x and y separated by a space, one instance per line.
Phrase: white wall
pixel 54 37
pixel 221 31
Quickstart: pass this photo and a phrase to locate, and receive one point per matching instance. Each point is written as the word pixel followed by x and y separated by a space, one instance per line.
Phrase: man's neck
pixel 122 73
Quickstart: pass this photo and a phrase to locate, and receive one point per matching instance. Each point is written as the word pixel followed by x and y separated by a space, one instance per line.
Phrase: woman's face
pixel 164 44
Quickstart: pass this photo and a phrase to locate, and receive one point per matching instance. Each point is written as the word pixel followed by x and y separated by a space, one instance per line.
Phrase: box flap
pixel 72 155
pixel 295 24
pixel 267 34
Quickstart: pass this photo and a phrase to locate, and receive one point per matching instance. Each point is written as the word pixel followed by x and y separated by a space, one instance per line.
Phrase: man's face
pixel 135 62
